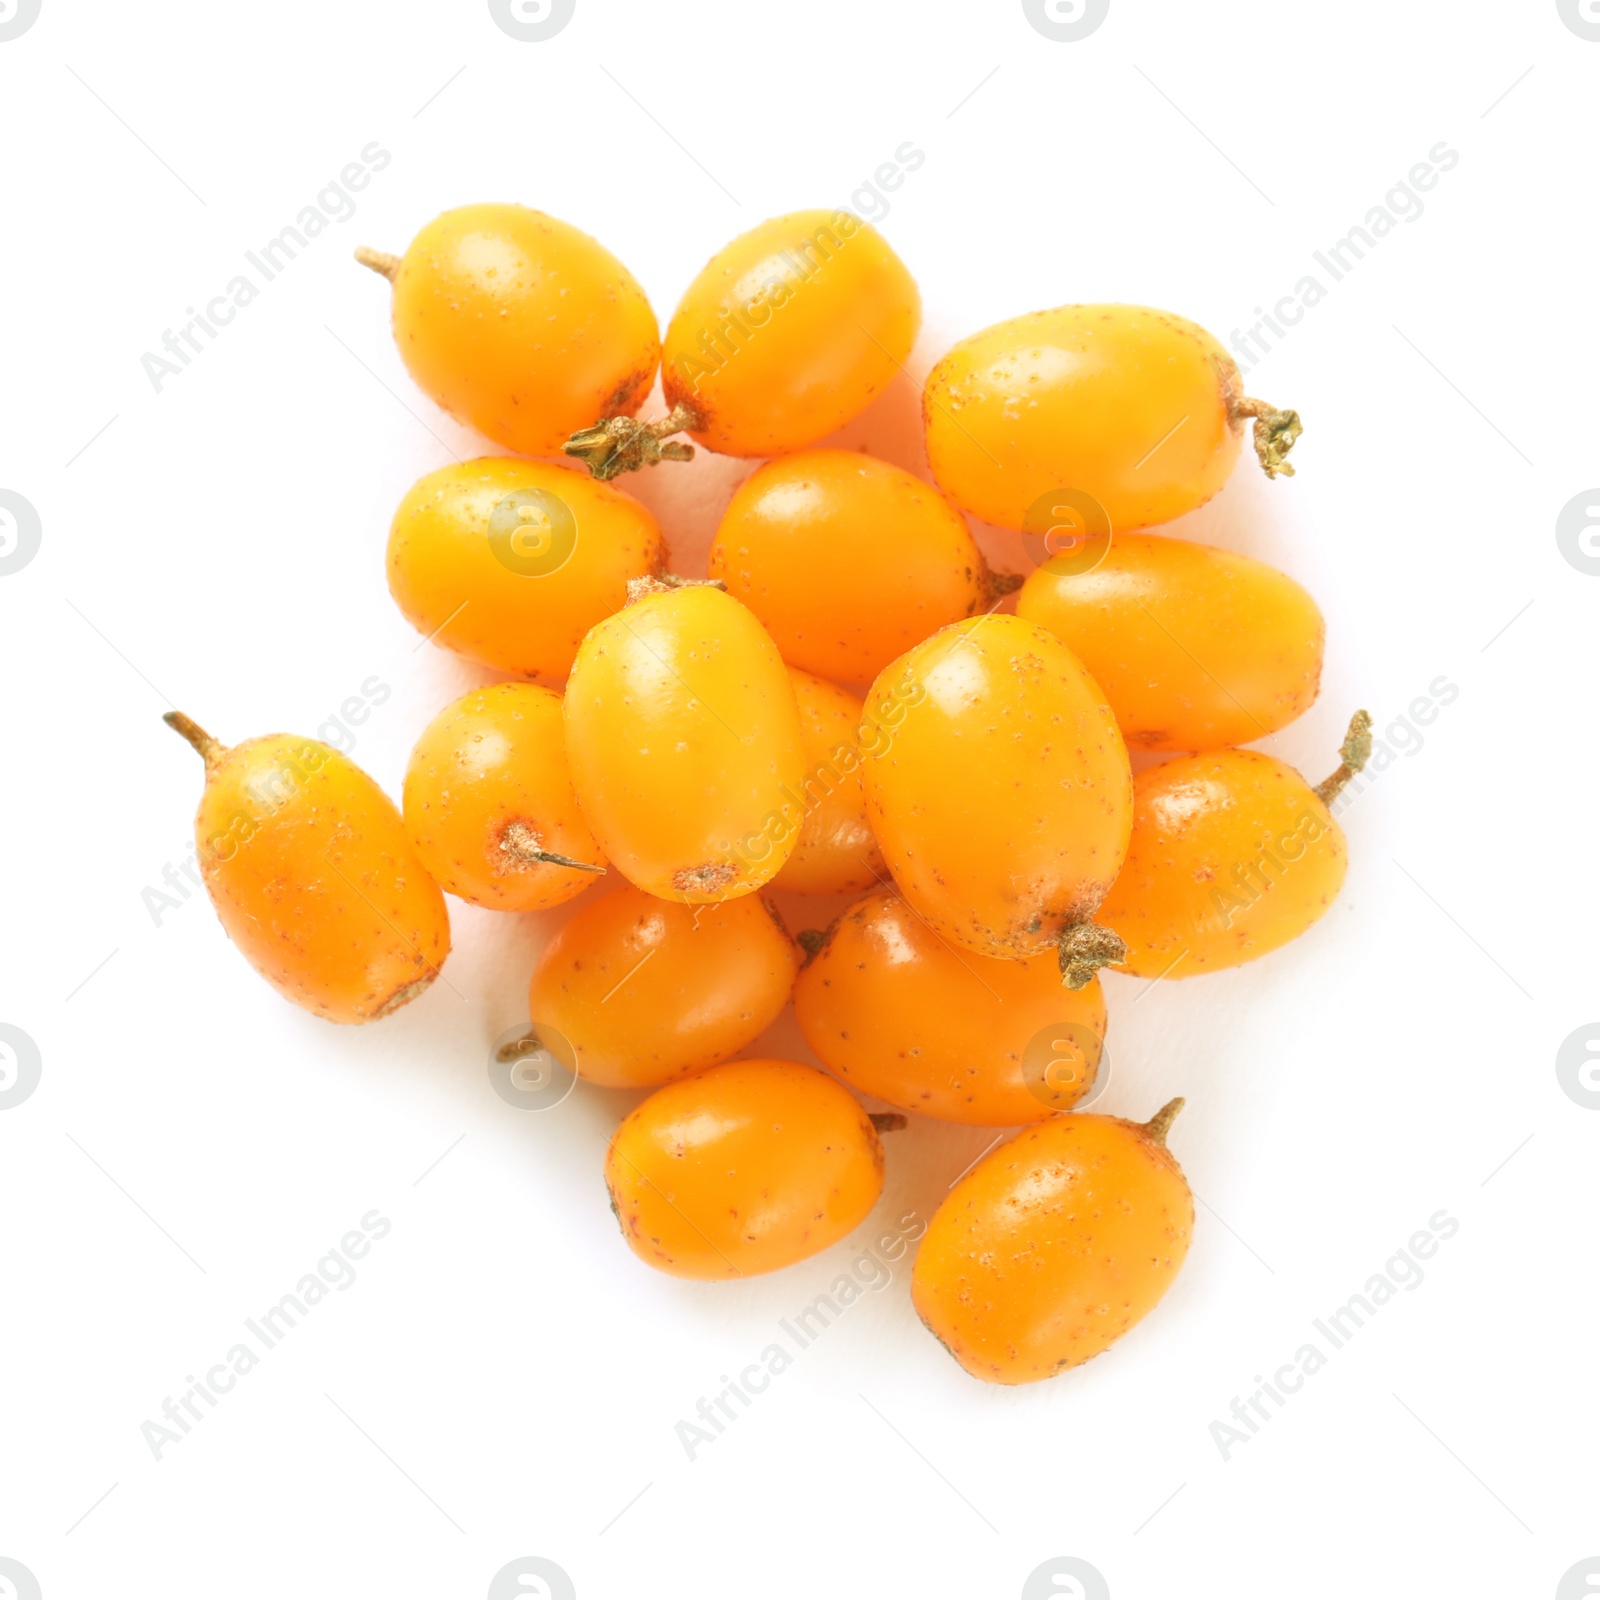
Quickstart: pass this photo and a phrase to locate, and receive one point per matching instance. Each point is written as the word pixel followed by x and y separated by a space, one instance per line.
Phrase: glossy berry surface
pixel 685 745
pixel 644 990
pixel 788 332
pixel 1053 1246
pixel 522 325
pixel 743 1169
pixel 1233 854
pixel 489 805
pixel 898 1012
pixel 997 784
pixel 835 852
pixel 1196 648
pixel 510 563
pixel 1140 410
pixel 847 561
pixel 314 878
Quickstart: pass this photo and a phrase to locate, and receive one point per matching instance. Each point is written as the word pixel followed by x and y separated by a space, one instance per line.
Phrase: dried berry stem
pixel 211 750
pixel 1275 432
pixel 811 940
pixel 521 844
pixel 1155 1130
pixel 552 859
pixel 381 262
pixel 1084 948
pixel 1354 754
pixel 615 445
pixel 887 1121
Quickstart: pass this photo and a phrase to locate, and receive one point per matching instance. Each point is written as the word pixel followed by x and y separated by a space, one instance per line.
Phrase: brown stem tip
pixel 1084 948
pixel 554 860
pixel 615 445
pixel 380 261
pixel 211 750
pixel 1354 754
pixel 1275 433
pixel 811 940
pixel 1155 1130
pixel 887 1121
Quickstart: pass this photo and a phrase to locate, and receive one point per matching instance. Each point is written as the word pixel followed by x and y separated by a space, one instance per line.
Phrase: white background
pixel 504 1378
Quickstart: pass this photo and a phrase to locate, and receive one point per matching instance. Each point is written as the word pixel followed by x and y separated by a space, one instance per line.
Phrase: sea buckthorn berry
pixel 788 332
pixel 1233 854
pixel 1055 1245
pixel 742 1169
pixel 520 324
pixel 489 804
pixel 999 791
pixel 643 990
pixel 685 744
pixel 898 1012
pixel 1195 648
pixel 308 864
pixel 1139 409
pixel 835 853
pixel 848 561
pixel 511 562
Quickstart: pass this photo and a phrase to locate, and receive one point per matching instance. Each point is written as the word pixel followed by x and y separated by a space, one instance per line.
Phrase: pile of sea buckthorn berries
pixel 977 799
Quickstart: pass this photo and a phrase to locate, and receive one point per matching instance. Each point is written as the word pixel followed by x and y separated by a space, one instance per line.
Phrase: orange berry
pixel 899 1013
pixel 308 864
pixel 519 324
pixel 489 804
pixel 634 991
pixel 511 562
pixel 1054 1246
pixel 999 790
pixel 1195 647
pixel 743 1169
pixel 685 745
pixel 1140 410
pixel 1233 854
pixel 789 331
pixel 847 561
pixel 835 853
